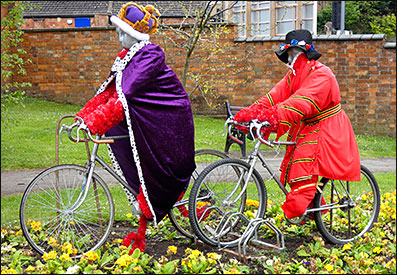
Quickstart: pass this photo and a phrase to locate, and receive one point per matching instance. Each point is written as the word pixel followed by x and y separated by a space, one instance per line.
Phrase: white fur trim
pixel 128 29
pixel 135 154
pixel 120 63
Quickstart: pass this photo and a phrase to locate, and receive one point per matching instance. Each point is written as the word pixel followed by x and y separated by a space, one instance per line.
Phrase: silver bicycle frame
pixel 90 171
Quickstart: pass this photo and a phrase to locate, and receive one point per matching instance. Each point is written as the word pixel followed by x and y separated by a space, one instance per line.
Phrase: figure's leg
pixel 300 197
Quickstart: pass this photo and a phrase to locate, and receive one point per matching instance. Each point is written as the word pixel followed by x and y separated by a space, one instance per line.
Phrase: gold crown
pixel 142 25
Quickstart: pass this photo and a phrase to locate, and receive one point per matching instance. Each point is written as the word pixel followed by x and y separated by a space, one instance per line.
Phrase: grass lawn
pixel 28 141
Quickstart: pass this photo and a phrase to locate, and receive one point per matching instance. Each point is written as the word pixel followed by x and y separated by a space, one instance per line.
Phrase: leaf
pixel 212 271
pixel 302 253
pixel 105 259
pixel 303 270
pixel 136 253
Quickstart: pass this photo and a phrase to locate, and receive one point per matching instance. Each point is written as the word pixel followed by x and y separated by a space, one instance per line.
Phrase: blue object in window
pixel 82 22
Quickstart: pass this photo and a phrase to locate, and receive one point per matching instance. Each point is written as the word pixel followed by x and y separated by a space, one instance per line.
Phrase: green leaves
pixel 11 61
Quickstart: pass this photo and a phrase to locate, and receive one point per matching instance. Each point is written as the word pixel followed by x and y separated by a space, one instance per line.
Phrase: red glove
pixel 260 112
pixel 270 115
pixel 248 113
pixel 103 111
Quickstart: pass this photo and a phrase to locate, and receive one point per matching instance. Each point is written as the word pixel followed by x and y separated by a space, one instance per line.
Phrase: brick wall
pixel 68 65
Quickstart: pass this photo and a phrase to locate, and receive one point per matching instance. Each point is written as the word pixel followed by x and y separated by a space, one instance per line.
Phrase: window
pixel 239 17
pixel 82 22
pixel 260 18
pixel 271 18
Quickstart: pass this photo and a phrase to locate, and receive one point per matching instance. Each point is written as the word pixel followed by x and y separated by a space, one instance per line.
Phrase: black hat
pixel 301 39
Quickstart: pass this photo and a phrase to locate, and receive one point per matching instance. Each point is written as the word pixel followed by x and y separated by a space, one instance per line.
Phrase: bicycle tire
pixel 209 210
pixel 360 217
pixel 178 215
pixel 47 201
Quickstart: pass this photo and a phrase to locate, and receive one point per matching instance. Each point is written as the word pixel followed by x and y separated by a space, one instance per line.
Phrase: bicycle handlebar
pixel 82 126
pixel 254 124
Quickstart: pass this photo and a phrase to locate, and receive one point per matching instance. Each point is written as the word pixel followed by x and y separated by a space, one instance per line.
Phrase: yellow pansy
pixel 51 241
pixel 172 250
pixel 328 267
pixel 201 204
pixel 65 257
pixel 92 255
pixel 249 213
pixel 214 256
pixel 196 253
pixel 68 247
pixel 128 215
pixel 254 203
pixel 124 260
pixel 347 246
pixel 9 271
pixel 36 226
pixel 49 256
pixel 233 270
pixel 377 250
pixel 30 269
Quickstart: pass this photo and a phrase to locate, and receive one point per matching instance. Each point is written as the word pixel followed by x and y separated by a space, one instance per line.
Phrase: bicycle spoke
pixel 49 198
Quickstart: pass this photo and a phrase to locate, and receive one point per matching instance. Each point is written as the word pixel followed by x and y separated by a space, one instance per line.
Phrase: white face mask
pixel 125 40
pixel 293 55
pixel 293 52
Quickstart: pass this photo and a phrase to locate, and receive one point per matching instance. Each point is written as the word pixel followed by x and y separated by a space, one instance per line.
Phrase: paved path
pixel 14 182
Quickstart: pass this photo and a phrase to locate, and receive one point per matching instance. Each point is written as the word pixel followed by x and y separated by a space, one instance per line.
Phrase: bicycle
pixel 229 187
pixel 72 203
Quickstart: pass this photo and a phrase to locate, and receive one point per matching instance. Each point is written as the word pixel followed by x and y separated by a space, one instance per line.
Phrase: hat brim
pixel 283 55
pixel 128 29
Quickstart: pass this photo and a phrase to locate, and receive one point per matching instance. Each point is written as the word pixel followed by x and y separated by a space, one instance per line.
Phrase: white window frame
pixel 245 29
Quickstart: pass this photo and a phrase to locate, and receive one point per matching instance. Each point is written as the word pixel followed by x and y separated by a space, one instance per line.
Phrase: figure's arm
pixel 279 93
pixel 103 111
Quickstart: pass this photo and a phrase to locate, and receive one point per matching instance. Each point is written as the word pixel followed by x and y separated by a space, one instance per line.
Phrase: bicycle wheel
pixel 218 215
pixel 45 212
pixel 362 203
pixel 179 214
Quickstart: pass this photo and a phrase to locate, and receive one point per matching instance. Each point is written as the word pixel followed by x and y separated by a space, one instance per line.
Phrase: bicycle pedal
pixel 135 208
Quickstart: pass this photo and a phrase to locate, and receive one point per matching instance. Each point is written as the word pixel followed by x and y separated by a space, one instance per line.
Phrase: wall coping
pixel 333 37
pixel 73 29
pixel 376 36
pixel 389 45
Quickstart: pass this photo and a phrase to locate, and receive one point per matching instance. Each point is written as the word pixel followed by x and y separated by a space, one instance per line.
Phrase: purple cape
pixel 162 124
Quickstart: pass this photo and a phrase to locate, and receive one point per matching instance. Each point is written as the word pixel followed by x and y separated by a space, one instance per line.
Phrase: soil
pixel 157 246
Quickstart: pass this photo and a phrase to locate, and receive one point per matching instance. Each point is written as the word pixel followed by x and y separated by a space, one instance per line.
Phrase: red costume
pixel 308 105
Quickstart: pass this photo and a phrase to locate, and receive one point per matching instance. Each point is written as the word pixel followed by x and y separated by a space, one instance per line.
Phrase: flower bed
pixel 166 252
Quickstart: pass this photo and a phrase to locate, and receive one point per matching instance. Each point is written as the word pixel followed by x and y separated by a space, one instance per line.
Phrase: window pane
pixel 284 13
pixel 307 24
pixel 284 27
pixel 254 29
pixel 264 4
pixel 307 11
pixel 265 29
pixel 264 15
pixel 254 17
pixel 236 18
pixel 285 2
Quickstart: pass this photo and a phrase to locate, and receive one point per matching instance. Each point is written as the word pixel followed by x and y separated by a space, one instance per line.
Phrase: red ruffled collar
pixel 123 53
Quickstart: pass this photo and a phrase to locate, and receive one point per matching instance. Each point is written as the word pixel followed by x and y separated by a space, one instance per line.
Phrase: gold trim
pixel 142 25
